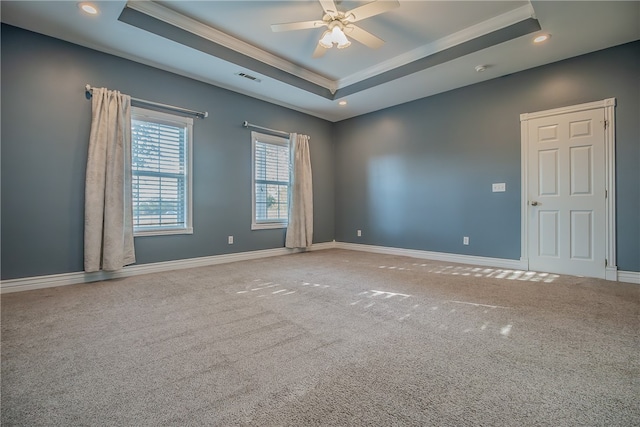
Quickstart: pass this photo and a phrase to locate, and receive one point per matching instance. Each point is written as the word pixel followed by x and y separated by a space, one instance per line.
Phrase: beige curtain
pixel 300 228
pixel 108 224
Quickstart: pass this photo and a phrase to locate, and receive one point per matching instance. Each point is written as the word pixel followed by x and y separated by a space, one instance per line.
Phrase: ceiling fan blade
pixel 364 37
pixel 319 52
pixel 297 26
pixel 370 9
pixel 329 7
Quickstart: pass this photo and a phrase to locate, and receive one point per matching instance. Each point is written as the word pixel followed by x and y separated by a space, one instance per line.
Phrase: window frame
pixel 275 140
pixel 153 116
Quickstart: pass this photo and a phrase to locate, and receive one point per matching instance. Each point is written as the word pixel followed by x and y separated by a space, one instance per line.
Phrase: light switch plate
pixel 499 187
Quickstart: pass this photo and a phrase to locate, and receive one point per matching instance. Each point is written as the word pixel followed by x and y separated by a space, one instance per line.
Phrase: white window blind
pixel 271 179
pixel 161 159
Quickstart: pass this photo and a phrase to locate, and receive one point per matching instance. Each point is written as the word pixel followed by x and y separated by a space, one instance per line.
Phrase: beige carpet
pixel 324 338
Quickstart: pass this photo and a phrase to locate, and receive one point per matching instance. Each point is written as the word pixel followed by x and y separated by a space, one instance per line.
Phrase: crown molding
pixel 490 25
pixel 160 12
pixel 185 23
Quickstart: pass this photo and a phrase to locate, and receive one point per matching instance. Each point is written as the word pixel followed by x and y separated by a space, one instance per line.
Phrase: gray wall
pixel 419 175
pixel 413 176
pixel 45 131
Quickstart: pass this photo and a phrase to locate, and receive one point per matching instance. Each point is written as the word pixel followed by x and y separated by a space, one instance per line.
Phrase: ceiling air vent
pixel 248 76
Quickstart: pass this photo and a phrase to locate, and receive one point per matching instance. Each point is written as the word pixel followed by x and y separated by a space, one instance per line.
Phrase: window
pixel 161 172
pixel 271 178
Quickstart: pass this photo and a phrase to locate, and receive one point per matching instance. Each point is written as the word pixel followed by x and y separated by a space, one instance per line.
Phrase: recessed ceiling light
pixel 343 103
pixel 481 68
pixel 542 38
pixel 88 8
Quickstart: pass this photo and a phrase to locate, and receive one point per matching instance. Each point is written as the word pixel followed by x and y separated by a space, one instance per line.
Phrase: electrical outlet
pixel 230 240
pixel 499 187
pixel 465 240
pixel 359 233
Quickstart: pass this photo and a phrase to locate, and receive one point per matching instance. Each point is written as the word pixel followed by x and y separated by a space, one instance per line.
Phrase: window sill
pixel 268 225
pixel 162 232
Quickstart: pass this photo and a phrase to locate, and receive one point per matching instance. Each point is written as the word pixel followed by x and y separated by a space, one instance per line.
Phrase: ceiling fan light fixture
pixel 336 36
pixel 326 41
pixel 341 39
pixel 341 26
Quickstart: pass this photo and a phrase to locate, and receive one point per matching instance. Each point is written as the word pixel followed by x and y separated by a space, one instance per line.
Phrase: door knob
pixel 534 203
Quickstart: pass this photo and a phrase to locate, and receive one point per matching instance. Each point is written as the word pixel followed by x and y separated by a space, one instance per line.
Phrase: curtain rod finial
pixel 245 124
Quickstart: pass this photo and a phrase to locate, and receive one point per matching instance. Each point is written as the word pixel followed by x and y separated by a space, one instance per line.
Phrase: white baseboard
pixel 320 246
pixel 53 280
pixel 611 274
pixel 49 281
pixel 629 277
pixel 438 256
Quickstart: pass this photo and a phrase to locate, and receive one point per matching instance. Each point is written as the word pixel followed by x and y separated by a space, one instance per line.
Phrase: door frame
pixel 611 270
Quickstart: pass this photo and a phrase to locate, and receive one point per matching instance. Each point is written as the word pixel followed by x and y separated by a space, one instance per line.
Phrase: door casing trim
pixel 611 269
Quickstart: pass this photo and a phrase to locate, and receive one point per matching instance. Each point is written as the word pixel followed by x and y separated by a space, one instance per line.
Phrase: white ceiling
pixel 400 71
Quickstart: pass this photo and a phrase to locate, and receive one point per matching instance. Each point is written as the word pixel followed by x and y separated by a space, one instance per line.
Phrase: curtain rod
pixel 246 124
pixel 198 114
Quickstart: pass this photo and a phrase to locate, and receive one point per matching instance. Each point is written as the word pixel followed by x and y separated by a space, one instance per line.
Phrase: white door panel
pixel 566 193
pixel 548 172
pixel 581 235
pixel 548 234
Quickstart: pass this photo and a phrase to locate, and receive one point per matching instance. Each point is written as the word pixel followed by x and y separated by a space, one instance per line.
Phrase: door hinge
pixel 606 123
pixel 606 193
pixel 606 263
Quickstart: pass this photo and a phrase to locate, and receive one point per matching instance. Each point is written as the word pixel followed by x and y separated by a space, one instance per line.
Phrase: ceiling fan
pixel 341 24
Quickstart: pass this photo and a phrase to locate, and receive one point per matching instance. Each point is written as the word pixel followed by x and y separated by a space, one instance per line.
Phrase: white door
pixel 566 193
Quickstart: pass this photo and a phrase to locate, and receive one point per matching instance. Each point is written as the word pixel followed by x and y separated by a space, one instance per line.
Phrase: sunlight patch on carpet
pixel 387 294
pixel 268 287
pixel 475 304
pixel 506 330
pixel 496 273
